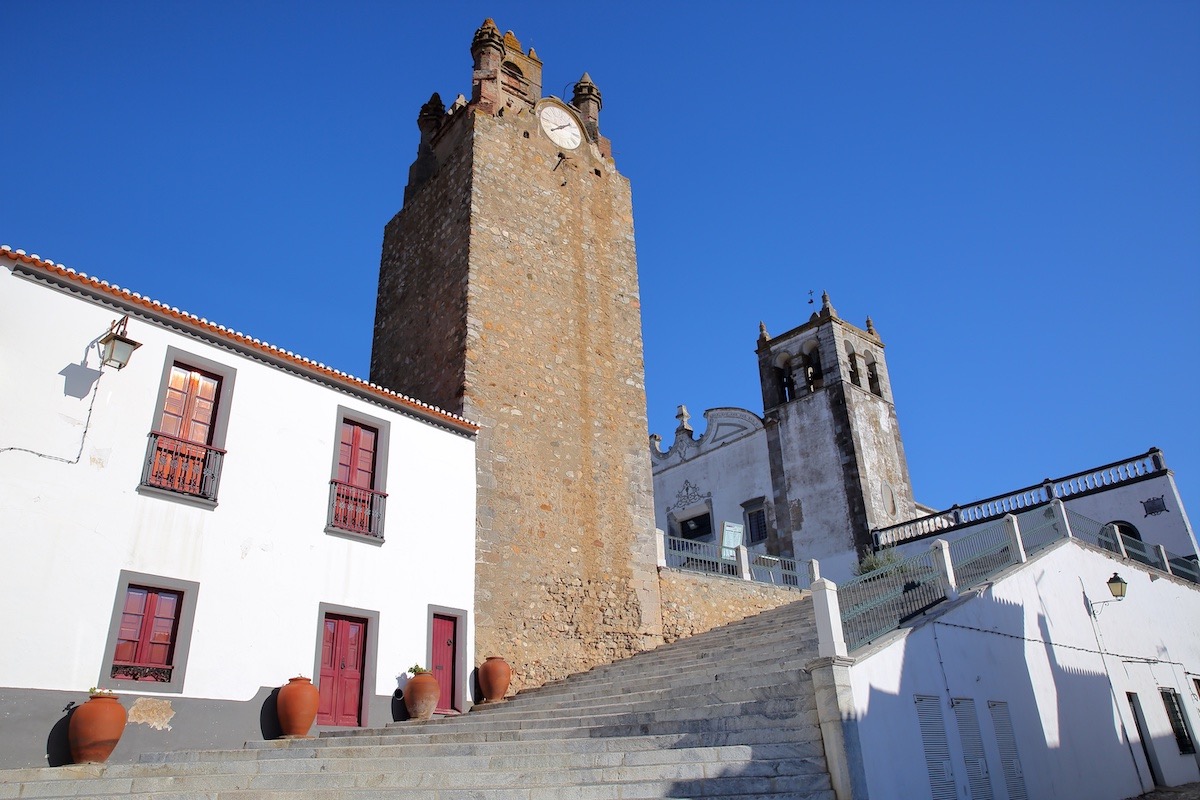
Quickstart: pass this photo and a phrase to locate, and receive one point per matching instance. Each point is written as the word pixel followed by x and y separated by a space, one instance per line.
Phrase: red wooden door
pixel 445 640
pixel 343 646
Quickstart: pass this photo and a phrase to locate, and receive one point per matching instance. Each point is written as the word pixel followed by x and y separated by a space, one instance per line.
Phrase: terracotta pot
pixel 95 728
pixel 296 705
pixel 494 676
pixel 421 695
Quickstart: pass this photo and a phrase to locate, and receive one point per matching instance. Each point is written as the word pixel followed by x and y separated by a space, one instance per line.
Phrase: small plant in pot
pixel 96 727
pixel 421 693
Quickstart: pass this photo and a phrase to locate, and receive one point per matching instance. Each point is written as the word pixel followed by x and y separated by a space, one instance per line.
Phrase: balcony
pixel 187 468
pixel 356 510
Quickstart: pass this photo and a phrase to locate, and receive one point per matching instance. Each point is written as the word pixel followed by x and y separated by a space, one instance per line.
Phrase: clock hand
pixel 560 127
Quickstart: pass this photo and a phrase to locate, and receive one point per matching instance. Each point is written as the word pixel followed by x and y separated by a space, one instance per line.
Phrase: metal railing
pixel 1145 553
pixel 778 570
pixel 880 601
pixel 734 562
pixel 178 465
pixel 877 602
pixel 699 556
pixel 355 509
pixel 1136 468
pixel 982 554
pixel 1039 528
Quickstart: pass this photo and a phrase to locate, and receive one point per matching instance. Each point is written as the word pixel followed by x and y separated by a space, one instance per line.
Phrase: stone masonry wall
pixel 693 603
pixel 566 555
pixel 421 306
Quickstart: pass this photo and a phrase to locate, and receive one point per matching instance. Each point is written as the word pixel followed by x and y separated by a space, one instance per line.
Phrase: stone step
pixel 714 700
pixel 791 759
pixel 743 652
pixel 795 730
pixel 782 671
pixel 765 746
pixel 730 713
pixel 688 648
pixel 696 769
pixel 712 711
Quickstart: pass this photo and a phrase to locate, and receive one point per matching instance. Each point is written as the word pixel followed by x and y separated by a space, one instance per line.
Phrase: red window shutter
pixel 149 624
pixel 190 404
pixel 131 624
pixel 356 455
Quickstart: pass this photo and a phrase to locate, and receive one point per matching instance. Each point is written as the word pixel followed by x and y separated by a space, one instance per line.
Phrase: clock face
pixel 561 127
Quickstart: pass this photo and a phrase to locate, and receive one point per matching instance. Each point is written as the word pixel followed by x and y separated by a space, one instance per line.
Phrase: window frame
pixel 1173 706
pixel 184 622
pixel 220 423
pixel 383 438
pixel 755 506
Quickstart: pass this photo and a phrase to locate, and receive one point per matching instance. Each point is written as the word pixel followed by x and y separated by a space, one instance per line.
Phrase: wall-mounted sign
pixel 731 537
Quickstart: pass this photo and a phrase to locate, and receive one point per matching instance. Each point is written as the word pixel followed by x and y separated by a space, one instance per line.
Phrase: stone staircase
pixel 725 714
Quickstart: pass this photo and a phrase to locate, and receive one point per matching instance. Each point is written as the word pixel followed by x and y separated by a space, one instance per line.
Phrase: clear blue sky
pixel 1011 190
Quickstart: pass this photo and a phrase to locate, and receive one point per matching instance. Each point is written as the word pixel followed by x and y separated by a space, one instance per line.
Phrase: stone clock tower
pixel 508 292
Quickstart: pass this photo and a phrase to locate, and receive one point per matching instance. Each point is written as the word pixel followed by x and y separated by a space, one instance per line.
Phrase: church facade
pixel 813 476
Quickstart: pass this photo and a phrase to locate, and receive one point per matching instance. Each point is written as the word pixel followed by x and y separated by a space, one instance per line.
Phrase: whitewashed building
pixel 822 474
pixel 214 518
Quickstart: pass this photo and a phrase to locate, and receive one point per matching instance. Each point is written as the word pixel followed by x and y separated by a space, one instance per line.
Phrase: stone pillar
pixel 839 725
pixel 743 562
pixel 831 640
pixel 1161 552
pixel 1060 518
pixel 940 550
pixel 1015 541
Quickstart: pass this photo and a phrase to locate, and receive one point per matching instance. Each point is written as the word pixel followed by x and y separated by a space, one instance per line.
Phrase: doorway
pixel 343 654
pixel 448 658
pixel 1135 705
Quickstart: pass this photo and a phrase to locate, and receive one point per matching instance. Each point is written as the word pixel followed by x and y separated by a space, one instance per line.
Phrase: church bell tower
pixel 838 468
pixel 508 293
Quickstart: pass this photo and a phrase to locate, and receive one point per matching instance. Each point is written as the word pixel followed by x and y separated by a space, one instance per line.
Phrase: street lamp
pixel 1117 585
pixel 115 346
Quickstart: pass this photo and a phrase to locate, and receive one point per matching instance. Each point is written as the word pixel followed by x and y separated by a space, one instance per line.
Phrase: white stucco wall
pixel 727 465
pixel 261 557
pixel 1123 503
pixel 1029 641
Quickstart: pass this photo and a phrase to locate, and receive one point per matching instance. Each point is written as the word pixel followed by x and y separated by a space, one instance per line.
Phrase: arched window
pixel 852 358
pixel 784 382
pixel 1127 529
pixel 872 373
pixel 814 377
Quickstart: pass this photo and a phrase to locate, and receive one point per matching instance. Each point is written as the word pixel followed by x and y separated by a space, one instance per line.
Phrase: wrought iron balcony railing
pixel 178 465
pixel 357 510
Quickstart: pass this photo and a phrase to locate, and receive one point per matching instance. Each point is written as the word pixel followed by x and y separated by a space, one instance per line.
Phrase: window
pixel 873 374
pixel 150 633
pixel 814 376
pixel 185 454
pixel 1183 738
pixel 852 359
pixel 697 527
pixel 785 384
pixel 356 499
pixel 146 641
pixel 756 525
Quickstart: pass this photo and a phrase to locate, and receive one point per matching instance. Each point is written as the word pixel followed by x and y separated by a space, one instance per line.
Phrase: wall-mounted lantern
pixel 1117 585
pixel 115 346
